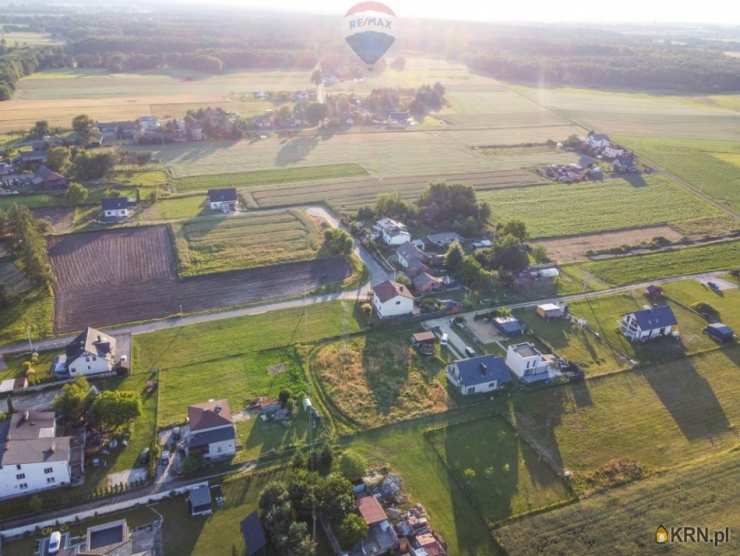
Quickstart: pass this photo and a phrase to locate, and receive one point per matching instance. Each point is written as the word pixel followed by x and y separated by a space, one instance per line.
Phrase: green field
pixel 658 417
pixel 691 260
pixel 156 179
pixel 726 303
pixel 712 166
pixel 501 474
pixel 604 313
pixel 219 245
pixel 378 378
pixel 569 209
pixel 28 38
pixel 265 177
pixel 624 521
pixel 176 208
pixel 593 354
pixel 32 310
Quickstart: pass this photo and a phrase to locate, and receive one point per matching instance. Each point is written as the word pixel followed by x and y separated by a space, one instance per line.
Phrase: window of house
pixel 50 480
pixel 398 302
pixel 48 470
pixel 20 476
pixel 17 465
pixel 23 486
pixel 471 389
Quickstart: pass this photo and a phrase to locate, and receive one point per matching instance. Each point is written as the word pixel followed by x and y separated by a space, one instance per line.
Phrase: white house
pixel 648 324
pixel 478 375
pixel 392 232
pixel 92 352
pixel 116 207
pixel 392 299
pixel 529 364
pixel 551 311
pixel 211 430
pixel 222 199
pixel 32 457
pixel 597 140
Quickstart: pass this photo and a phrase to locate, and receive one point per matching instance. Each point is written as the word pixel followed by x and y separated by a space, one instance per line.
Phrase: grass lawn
pixel 176 208
pixel 712 166
pixel 14 366
pixel 569 209
pixel 254 240
pixel 726 303
pixel 603 315
pixel 639 268
pixel 33 308
pixel 378 378
pixel 500 473
pixel 658 417
pixel 200 343
pixel 427 480
pixel 32 201
pixel 591 353
pixel 156 179
pixel 624 521
pixel 265 177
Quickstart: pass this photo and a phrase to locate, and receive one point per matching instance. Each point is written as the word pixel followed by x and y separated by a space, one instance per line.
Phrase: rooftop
pixel 485 368
pixel 526 349
pixel 658 316
pixel 92 341
pixel 254 534
pixel 211 414
pixel 211 436
pixel 389 289
pixel 371 510
pixel 115 203
pixel 224 195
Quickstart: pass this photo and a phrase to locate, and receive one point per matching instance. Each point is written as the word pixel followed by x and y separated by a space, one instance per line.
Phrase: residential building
pixel 478 375
pixel 48 179
pixel 199 500
pixel 115 208
pixel 113 538
pixel 443 240
pixel 597 140
pixel 529 364
pixel 92 352
pixel 391 299
pixel 647 324
pixel 381 537
pixel 509 326
pixel 426 283
pixel 224 199
pixel 409 255
pixel 392 232
pixel 13 384
pixel 211 431
pixel 32 456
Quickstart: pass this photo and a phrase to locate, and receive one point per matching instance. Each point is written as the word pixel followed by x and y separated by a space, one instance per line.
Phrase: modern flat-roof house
pixel 199 500
pixel 32 456
pixel 647 324
pixel 478 375
pixel 509 326
pixel 92 352
pixel 211 430
pixel 115 208
pixel 529 364
pixel 223 199
pixel 392 299
pixel 392 232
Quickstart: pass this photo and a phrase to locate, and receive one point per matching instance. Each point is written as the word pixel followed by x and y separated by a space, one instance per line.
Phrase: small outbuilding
pixel 509 326
pixel 551 311
pixel 224 199
pixel 199 501
pixel 720 332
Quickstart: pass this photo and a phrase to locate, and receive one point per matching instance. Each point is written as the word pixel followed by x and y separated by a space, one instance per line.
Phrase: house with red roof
pixel 391 299
pixel 211 431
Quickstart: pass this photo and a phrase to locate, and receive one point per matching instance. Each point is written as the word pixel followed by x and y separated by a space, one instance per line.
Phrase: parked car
pixel 144 456
pixel 444 339
pixel 55 543
pixel 470 352
pixel 165 458
pixel 713 286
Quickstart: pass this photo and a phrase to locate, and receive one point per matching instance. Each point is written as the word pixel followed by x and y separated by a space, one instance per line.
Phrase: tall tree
pixel 73 401
pixel 113 409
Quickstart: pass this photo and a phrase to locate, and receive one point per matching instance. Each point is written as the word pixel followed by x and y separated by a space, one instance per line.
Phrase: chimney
pixel 483 368
pixel 217 409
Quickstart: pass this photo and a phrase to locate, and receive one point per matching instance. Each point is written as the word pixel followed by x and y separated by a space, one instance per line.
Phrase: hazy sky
pixel 601 11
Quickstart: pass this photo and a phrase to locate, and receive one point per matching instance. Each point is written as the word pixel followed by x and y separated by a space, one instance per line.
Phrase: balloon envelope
pixel 368 29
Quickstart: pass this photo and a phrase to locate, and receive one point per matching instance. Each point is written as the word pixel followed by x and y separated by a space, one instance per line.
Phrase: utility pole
pixel 28 332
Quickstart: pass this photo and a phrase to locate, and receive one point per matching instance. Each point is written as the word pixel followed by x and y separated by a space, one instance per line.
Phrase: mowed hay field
pixel 217 245
pixel 501 474
pixel 570 209
pixel 378 378
pixel 689 260
pixel 380 152
pixel 712 166
pixel 347 195
pixel 657 417
pixel 643 114
pixel 623 521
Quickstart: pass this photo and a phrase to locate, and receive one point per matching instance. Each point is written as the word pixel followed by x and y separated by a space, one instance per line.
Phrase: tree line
pixel 27 242
pixel 20 62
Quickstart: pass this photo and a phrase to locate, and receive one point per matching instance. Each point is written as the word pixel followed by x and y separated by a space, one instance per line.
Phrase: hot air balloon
pixel 369 28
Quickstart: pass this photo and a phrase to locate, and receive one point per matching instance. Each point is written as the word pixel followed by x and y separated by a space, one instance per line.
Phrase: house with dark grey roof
pixel 115 208
pixel 392 299
pixel 92 352
pixel 211 431
pixel 647 324
pixel 478 375
pixel 32 457
pixel 199 500
pixel 48 179
pixel 224 199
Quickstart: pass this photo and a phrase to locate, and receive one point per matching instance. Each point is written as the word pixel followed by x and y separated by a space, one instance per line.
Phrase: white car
pixel 443 339
pixel 55 543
